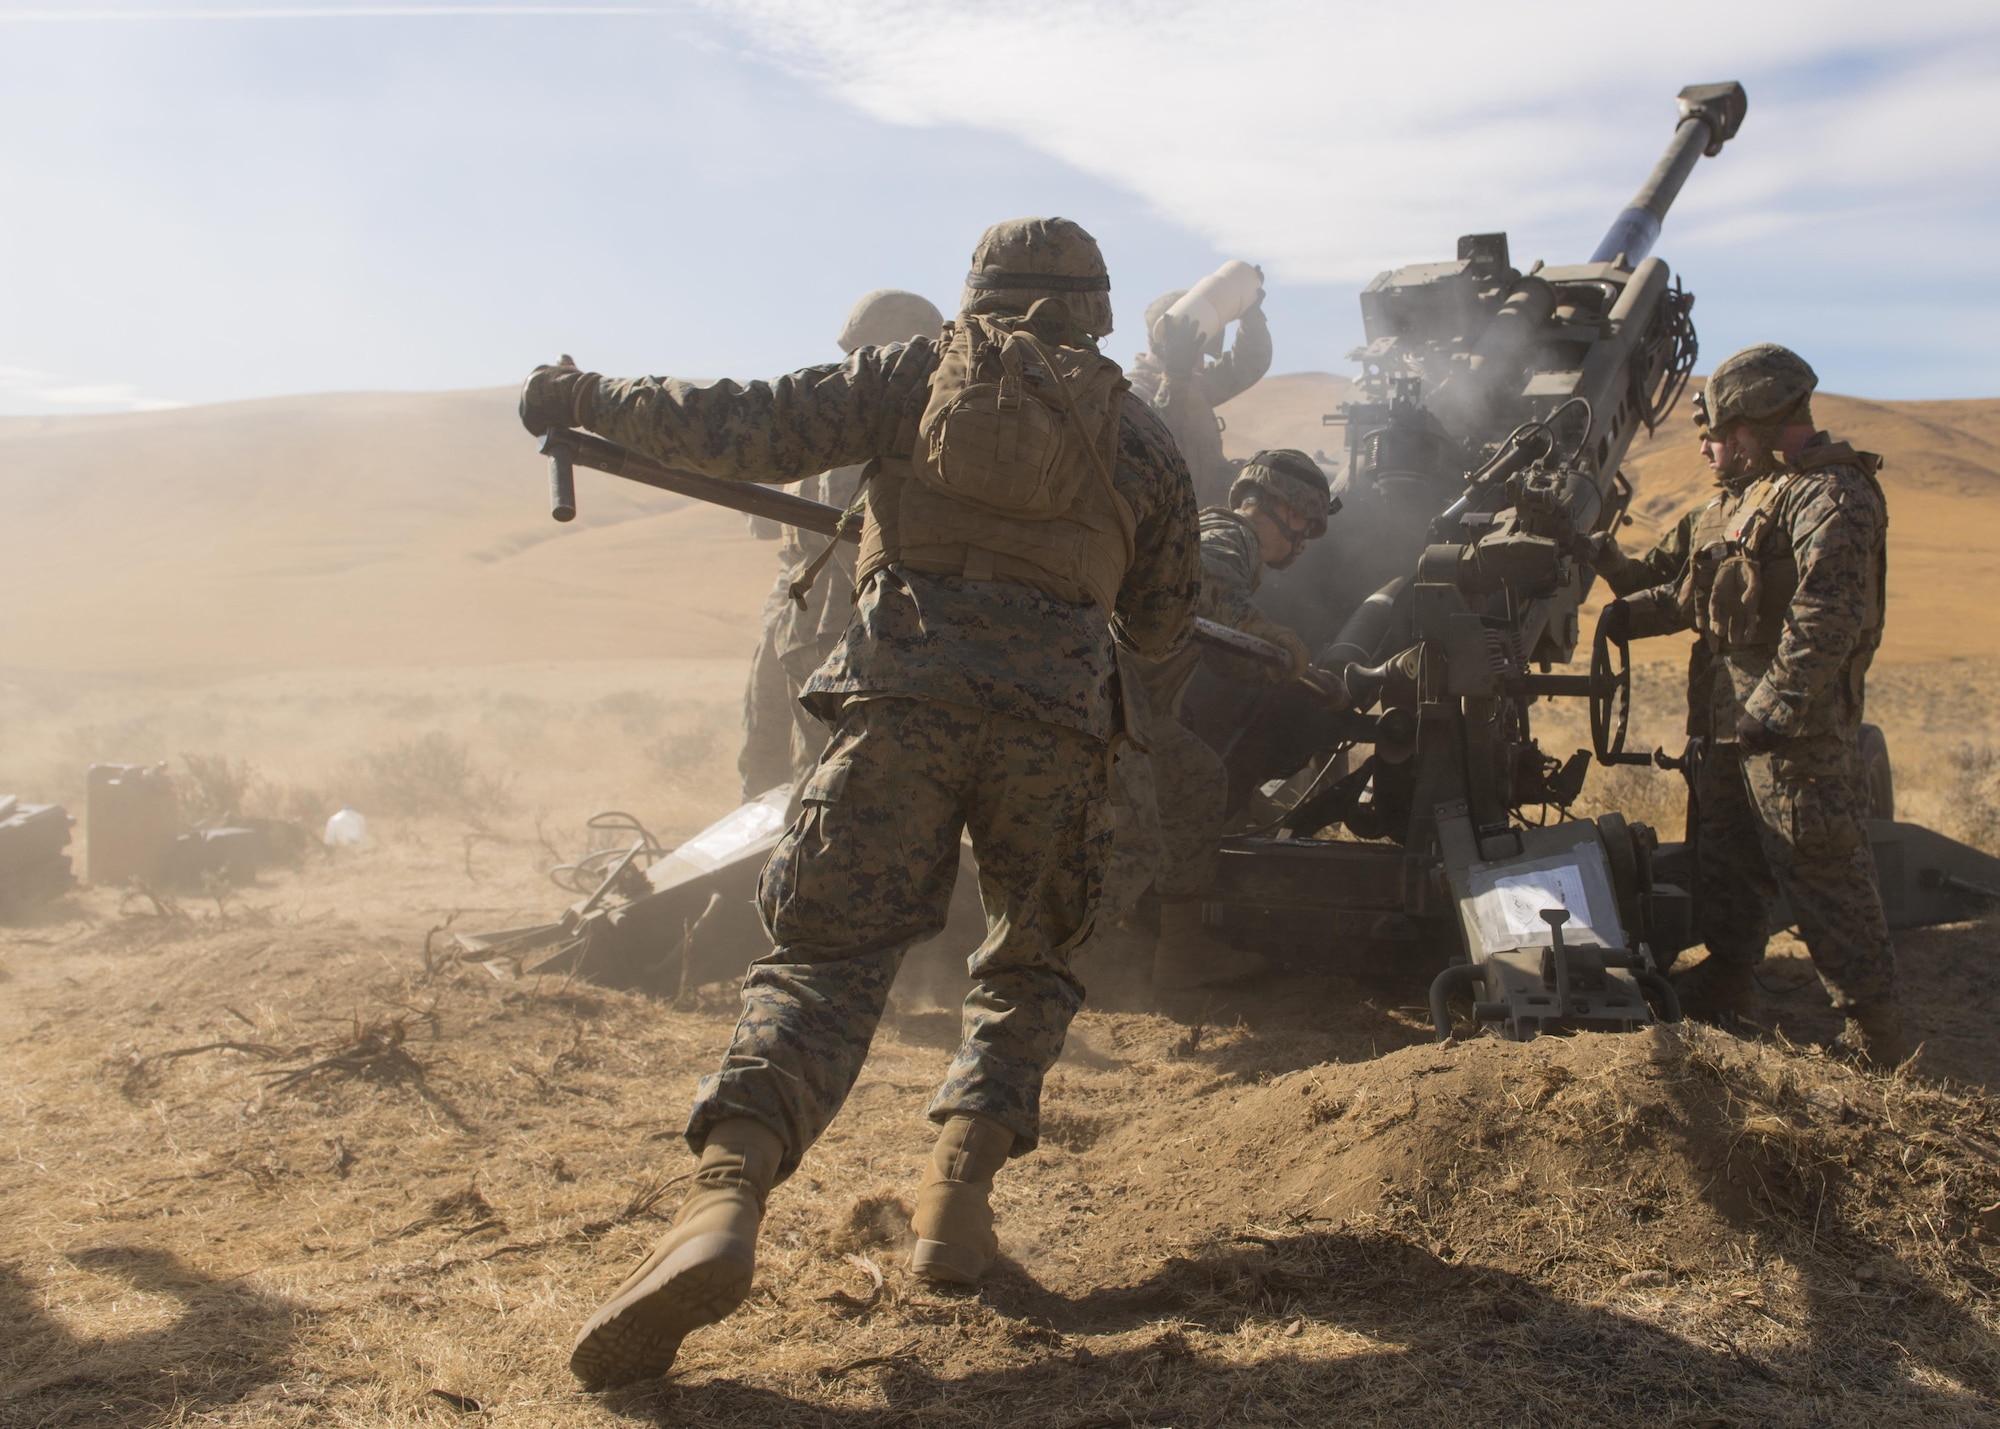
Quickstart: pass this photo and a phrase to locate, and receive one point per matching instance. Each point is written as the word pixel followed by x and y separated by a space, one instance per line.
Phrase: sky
pixel 211 203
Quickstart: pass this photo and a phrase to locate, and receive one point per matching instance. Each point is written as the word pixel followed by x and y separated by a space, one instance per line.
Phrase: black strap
pixel 985 280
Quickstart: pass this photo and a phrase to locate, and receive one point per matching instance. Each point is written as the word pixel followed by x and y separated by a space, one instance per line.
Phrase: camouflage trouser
pixel 781 742
pixel 768 718
pixel 1193 789
pixel 1791 822
pixel 867 869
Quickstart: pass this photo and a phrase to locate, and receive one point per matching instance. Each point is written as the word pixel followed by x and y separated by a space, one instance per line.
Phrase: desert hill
pixel 374 529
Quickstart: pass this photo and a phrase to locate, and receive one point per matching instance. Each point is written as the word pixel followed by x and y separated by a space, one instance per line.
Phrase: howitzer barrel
pixel 566 446
pixel 1710 117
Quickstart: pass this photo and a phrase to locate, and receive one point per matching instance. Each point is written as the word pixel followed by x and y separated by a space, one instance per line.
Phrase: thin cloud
pixel 324 12
pixel 1329 141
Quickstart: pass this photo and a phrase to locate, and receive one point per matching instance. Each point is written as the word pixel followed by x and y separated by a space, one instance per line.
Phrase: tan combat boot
pixel 697 1274
pixel 1186 957
pixel 954 1219
pixel 1874 1036
pixel 1718 992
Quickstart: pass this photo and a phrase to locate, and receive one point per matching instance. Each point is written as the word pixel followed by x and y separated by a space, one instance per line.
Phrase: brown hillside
pixel 380 529
pixel 347 530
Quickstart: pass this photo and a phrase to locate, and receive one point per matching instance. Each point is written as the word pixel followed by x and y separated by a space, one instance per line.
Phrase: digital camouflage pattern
pixel 1791 821
pixel 781 740
pixel 1660 566
pixel 1828 522
pixel 1231 568
pixel 1187 394
pixel 988 644
pixel 1173 798
pixel 1007 706
pixel 1764 385
pixel 867 869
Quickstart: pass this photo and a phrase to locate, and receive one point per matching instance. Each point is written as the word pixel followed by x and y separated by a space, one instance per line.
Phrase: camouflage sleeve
pixel 1244 365
pixel 1156 602
pixel 1660 566
pixel 1657 611
pixel 783 430
pixel 1228 572
pixel 1836 522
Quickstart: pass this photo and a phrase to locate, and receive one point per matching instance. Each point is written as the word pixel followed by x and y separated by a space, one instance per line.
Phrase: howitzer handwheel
pixel 1611 699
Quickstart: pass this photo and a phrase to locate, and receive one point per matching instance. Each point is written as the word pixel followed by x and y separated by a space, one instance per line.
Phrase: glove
pixel 1176 342
pixel 1253 316
pixel 1616 622
pixel 1754 735
pixel 554 396
pixel 1288 639
pixel 1282 636
pixel 1601 550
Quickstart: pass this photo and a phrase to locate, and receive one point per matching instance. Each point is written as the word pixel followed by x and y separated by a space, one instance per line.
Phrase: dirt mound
pixel 281 1164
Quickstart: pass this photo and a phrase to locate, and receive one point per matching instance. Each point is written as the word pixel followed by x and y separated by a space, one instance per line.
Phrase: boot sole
pixel 941 1261
pixel 637 1335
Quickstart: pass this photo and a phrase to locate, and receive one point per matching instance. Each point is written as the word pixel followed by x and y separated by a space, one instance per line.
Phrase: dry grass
pixel 276 1161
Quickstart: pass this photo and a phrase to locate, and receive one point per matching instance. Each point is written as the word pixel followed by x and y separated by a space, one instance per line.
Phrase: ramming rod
pixel 567 448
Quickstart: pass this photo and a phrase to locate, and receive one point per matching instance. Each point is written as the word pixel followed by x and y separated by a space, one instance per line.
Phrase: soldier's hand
pixel 1253 316
pixel 1754 735
pixel 1288 640
pixel 1616 622
pixel 1176 342
pixel 553 394
pixel 1600 548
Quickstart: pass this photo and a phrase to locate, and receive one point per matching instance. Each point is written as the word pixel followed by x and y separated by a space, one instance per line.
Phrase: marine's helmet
pixel 1022 261
pixel 889 315
pixel 1766 386
pixel 1292 477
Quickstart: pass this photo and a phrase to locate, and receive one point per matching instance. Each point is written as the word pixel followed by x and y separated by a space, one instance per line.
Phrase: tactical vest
pixel 1010 472
pixel 1743 572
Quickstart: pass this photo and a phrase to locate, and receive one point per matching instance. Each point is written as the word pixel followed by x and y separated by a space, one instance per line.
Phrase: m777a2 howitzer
pixel 1495 410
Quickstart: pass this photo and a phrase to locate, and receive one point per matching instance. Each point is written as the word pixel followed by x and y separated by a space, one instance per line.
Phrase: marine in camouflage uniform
pixel 1186 385
pixel 956 703
pixel 1279 501
pixel 1786 583
pixel 781 741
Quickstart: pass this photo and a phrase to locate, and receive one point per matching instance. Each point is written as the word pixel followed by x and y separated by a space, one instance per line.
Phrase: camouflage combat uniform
pixel 1187 400
pixel 1187 779
pixel 781 741
pixel 1790 820
pixel 955 703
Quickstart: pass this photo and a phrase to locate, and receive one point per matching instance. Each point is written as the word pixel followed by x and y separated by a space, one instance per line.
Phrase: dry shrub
pixel 213 788
pixel 638 712
pixel 301 803
pixel 685 757
pixel 1975 795
pixel 431 774
pixel 1643 795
